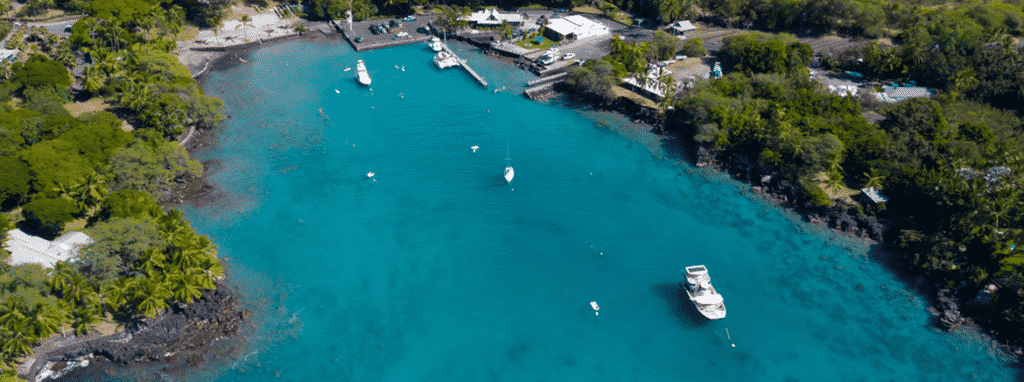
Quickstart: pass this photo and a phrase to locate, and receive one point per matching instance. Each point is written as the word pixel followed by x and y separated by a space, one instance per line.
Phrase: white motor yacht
pixel 435 44
pixel 702 294
pixel 509 173
pixel 363 76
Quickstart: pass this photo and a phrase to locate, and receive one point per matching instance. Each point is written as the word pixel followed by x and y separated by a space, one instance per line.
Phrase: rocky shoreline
pixel 182 333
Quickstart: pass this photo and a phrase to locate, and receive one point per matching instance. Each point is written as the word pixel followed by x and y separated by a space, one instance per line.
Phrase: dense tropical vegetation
pixel 101 174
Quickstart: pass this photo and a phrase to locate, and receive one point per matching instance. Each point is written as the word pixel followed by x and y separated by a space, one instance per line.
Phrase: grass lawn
pixel 590 10
pixel 844 193
pixel 623 17
pixel 620 91
pixel 530 44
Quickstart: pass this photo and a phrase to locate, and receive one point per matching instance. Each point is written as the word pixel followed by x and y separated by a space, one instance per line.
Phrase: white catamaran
pixel 705 298
pixel 362 75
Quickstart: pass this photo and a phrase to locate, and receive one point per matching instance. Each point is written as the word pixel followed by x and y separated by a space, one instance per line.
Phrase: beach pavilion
pixel 28 249
pixel 491 17
pixel 682 28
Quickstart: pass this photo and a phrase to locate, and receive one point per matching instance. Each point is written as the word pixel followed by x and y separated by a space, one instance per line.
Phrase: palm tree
pixel 45 319
pixel 116 294
pixel 152 297
pixel 874 180
pixel 61 276
pixel 18 341
pixel 93 80
pixel 11 312
pixel 91 190
pixel 64 191
pixel 152 261
pixel 83 320
pixel 245 22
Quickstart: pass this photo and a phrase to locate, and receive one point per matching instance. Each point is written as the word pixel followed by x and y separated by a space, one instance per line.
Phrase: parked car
pixel 569 56
pixel 409 18
pixel 359 39
pixel 555 16
pixel 395 23
pixel 375 29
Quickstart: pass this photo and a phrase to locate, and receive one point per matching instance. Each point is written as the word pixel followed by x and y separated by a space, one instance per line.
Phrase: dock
pixel 548 78
pixel 465 65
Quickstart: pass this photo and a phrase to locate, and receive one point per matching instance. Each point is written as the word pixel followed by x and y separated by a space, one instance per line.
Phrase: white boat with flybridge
pixel 362 75
pixel 445 60
pixel 435 44
pixel 702 294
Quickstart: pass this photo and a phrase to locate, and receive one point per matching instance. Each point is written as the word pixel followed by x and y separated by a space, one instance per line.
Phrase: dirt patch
pixel 94 104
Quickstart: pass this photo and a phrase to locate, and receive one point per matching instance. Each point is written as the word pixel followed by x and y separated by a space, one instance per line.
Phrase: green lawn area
pixel 590 10
pixel 623 17
pixel 529 43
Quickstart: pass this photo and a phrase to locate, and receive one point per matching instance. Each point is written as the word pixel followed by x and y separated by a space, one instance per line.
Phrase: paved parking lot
pixel 390 37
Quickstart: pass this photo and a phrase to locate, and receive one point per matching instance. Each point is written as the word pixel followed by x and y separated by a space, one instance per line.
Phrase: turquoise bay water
pixel 440 271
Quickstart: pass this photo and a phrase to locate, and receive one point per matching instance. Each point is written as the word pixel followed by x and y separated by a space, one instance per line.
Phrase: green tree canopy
pixel 130 203
pixel 151 167
pixel 46 216
pixel 54 163
pixel 48 73
pixel 97 141
pixel 117 245
pixel 14 180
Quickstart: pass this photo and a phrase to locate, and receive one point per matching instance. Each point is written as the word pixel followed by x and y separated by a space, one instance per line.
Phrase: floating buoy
pixel 474 147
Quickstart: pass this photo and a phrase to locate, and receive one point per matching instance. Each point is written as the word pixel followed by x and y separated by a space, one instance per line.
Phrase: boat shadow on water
pixel 679 305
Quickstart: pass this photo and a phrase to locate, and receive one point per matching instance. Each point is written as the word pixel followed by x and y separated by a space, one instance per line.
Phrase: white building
pixel 575 27
pixel 26 249
pixel 491 17
pixel 681 28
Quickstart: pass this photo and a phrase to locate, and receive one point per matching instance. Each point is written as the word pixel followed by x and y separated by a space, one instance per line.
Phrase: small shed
pixel 682 28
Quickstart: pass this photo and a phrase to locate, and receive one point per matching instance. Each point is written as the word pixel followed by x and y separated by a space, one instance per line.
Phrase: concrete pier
pixel 548 78
pixel 465 65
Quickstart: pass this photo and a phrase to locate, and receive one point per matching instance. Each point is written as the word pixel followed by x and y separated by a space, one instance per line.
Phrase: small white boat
pixel 593 304
pixel 403 68
pixel 370 174
pixel 474 147
pixel 362 75
pixel 704 296
pixel 347 69
pixel 509 173
pixel 445 60
pixel 499 89
pixel 396 66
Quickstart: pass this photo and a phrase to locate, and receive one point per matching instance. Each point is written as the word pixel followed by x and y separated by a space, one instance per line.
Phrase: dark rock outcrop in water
pixel 183 332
